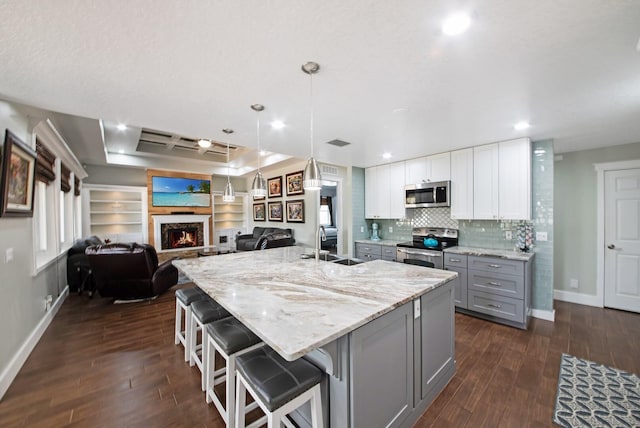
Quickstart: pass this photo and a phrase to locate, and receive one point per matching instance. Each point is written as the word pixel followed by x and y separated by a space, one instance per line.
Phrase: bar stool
pixel 278 386
pixel 230 338
pixel 184 298
pixel 202 312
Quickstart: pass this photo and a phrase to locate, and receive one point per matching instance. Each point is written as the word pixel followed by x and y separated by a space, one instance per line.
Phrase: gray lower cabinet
pixel 370 251
pixel 458 263
pixel 498 290
pixel 381 369
pixel 399 363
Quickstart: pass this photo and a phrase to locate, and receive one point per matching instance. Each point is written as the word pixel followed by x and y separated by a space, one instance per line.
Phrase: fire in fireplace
pixel 181 238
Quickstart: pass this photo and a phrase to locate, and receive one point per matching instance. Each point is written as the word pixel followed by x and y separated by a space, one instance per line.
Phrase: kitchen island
pixel 383 331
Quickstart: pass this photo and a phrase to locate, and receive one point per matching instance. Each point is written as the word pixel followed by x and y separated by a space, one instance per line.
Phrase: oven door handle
pixel 420 253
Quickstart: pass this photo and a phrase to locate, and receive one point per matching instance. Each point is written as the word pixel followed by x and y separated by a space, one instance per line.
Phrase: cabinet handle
pixel 491 305
pixel 495 284
pixel 494 266
pixel 455 260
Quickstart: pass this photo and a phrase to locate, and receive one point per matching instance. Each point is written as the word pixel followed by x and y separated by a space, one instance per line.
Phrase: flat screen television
pixel 180 192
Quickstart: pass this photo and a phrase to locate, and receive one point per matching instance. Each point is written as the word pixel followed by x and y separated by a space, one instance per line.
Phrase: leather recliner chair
pixel 79 276
pixel 130 271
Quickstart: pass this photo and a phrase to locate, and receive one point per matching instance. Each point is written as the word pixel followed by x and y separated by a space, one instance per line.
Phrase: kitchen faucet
pixel 321 234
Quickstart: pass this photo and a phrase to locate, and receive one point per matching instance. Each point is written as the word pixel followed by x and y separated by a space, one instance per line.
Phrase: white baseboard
pixel 14 366
pixel 544 314
pixel 579 298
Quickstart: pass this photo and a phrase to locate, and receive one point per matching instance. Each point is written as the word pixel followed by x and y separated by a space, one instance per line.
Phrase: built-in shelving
pixel 116 213
pixel 229 219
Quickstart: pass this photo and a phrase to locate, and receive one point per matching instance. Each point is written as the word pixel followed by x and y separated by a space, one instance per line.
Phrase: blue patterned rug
pixel 592 395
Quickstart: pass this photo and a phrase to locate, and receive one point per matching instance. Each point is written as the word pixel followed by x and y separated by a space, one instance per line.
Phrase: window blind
pixel 44 163
pixel 65 178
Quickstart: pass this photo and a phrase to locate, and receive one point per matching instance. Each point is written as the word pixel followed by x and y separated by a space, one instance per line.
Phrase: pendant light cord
pixel 228 166
pixel 311 110
pixel 258 134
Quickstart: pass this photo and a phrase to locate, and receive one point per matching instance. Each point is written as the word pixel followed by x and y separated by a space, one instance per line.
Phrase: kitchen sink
pixel 325 257
pixel 348 262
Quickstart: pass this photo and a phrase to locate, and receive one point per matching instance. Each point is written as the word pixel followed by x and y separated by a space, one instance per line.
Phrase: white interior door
pixel 622 240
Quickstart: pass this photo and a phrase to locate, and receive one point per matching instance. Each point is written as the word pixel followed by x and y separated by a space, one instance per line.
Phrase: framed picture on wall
pixel 275 211
pixel 274 186
pixel 258 198
pixel 18 178
pixel 294 183
pixel 258 212
pixel 295 211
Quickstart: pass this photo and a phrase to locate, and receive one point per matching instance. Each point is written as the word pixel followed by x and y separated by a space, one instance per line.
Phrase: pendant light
pixel 229 194
pixel 259 186
pixel 312 177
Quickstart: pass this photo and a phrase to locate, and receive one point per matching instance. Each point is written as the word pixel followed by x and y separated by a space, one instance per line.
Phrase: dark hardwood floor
pixel 105 365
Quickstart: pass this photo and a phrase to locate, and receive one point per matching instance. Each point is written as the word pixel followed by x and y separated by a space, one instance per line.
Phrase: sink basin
pixel 348 262
pixel 325 257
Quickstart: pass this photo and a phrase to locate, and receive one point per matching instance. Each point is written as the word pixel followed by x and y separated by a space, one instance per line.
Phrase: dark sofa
pixel 130 271
pixel 265 237
pixel 79 275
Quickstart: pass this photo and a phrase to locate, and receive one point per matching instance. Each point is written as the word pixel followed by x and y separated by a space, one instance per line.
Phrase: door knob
pixel 611 246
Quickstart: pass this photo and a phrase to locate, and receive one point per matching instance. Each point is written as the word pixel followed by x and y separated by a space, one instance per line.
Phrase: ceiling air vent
pixel 338 143
pixel 328 170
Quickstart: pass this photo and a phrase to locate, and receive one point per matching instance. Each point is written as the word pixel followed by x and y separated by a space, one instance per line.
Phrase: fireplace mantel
pixel 159 220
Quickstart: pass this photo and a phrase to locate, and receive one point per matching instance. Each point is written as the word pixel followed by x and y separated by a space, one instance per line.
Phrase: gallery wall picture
pixel 18 178
pixel 294 183
pixel 275 211
pixel 259 212
pixel 295 211
pixel 274 186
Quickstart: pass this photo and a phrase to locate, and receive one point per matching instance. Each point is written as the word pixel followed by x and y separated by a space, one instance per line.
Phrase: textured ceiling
pixel 389 80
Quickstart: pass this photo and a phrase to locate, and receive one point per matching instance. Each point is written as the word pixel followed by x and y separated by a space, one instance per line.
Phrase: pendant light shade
pixel 229 194
pixel 259 185
pixel 312 177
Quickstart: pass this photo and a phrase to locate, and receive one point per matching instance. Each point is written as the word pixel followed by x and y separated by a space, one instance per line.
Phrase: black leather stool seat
pixel 232 335
pixel 276 380
pixel 189 295
pixel 208 310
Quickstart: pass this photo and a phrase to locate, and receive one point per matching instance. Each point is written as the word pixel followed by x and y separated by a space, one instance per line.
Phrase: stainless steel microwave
pixel 427 195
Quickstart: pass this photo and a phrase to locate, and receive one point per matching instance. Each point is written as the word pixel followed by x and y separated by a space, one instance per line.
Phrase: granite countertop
pixel 391 242
pixel 297 305
pixel 504 254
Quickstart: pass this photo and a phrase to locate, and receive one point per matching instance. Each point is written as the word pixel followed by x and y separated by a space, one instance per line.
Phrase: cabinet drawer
pixel 388 253
pixel 497 306
pixel 455 260
pixel 368 251
pixel 496 265
pixel 503 285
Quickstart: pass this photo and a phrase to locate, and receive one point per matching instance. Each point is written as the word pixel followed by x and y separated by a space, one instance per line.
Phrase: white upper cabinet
pixel 415 171
pixel 502 180
pixel 485 182
pixel 515 180
pixel 396 190
pixel 384 191
pixel 462 184
pixel 376 194
pixel 428 169
pixel 439 167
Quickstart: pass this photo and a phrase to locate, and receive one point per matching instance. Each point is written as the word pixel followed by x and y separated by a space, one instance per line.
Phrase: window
pixel 45 216
pixel 325 216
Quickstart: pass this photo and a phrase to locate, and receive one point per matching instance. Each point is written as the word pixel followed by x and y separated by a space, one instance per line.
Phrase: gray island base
pixel 382 331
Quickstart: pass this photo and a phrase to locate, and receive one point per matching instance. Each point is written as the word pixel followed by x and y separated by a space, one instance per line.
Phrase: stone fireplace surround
pixel 173 221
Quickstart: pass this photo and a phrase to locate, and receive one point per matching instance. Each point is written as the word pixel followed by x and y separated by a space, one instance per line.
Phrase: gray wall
pixel 575 219
pixel 127 176
pixel 22 305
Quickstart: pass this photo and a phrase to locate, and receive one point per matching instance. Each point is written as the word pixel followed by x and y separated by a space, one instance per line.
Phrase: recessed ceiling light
pixel 204 143
pixel 277 124
pixel 122 127
pixel 456 24
pixel 386 155
pixel 520 126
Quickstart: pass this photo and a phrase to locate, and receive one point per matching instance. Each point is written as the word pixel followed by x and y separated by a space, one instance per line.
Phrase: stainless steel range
pixel 426 247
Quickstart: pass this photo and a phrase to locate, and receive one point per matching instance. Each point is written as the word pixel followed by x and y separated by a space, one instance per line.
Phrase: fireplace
pixel 182 237
pixel 175 232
